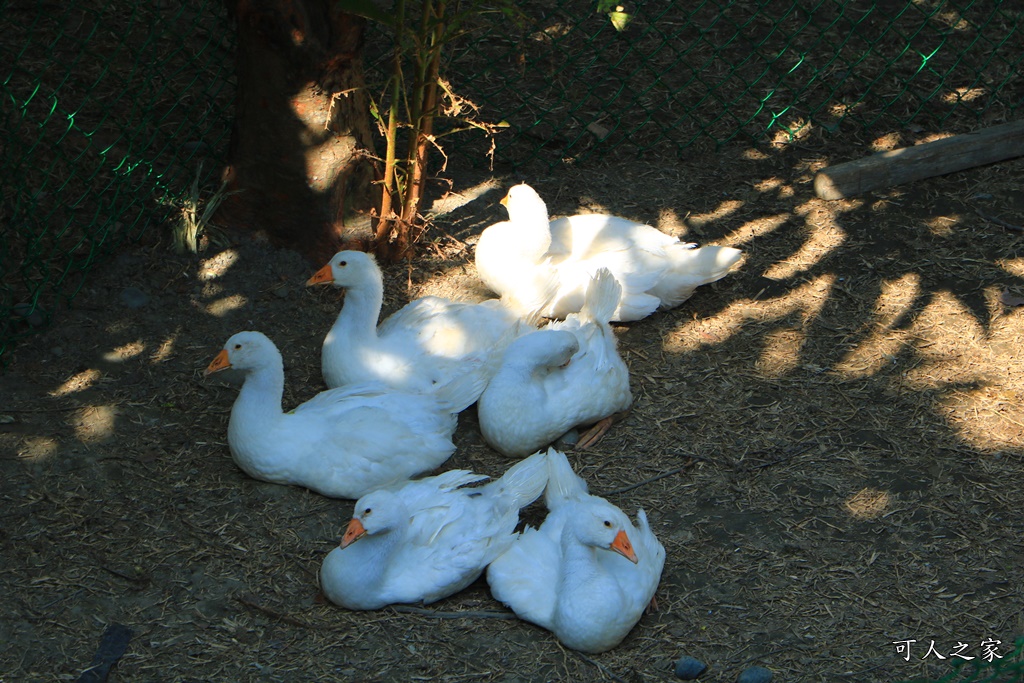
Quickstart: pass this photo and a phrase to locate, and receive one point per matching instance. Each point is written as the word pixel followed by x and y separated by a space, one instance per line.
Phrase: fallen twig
pixel 655 478
pixel 453 615
pixel 250 601
pixel 605 670
pixel 999 221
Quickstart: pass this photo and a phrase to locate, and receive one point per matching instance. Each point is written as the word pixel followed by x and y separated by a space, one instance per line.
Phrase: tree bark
pixel 297 160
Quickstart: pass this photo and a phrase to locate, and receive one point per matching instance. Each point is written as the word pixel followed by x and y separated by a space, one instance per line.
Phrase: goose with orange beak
pixel 341 443
pixel 587 574
pixel 430 538
pixel 420 347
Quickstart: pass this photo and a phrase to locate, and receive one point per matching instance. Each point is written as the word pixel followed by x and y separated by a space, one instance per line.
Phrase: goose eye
pixel 237 346
pixel 608 524
pixel 342 263
pixel 367 511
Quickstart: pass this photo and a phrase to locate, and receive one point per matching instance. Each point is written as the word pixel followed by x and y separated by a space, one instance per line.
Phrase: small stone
pixel 33 315
pixel 133 297
pixel 755 674
pixel 689 668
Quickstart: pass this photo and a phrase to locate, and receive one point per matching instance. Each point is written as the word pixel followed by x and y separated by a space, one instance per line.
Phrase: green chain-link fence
pixel 107 109
pixel 572 86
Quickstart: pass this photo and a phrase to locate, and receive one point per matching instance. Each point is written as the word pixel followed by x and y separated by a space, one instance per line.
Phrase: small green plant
pixel 414 102
pixel 193 220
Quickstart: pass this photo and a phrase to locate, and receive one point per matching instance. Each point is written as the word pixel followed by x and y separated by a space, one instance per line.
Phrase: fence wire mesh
pixel 572 86
pixel 108 108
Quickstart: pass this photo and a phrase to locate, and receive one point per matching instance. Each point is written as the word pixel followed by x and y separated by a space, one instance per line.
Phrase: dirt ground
pixel 828 442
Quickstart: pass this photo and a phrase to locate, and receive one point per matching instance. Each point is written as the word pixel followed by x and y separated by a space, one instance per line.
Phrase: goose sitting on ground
pixel 419 348
pixel 565 375
pixel 518 257
pixel 341 443
pixel 587 574
pixel 430 538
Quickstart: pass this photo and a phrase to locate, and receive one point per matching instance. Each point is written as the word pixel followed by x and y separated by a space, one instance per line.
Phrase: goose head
pixel 375 513
pixel 244 351
pixel 524 205
pixel 347 269
pixel 603 526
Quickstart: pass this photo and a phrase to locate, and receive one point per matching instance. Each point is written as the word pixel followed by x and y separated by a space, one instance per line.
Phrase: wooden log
pixel 905 165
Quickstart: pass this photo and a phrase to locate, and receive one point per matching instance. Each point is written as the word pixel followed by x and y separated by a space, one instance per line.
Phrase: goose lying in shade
pixel 587 574
pixel 518 257
pixel 341 443
pixel 430 538
pixel 420 347
pixel 557 378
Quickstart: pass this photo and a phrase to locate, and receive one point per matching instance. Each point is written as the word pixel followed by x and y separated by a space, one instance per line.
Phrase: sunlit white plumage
pixel 429 538
pixel 518 257
pixel 587 573
pixel 341 443
pixel 569 373
pixel 420 347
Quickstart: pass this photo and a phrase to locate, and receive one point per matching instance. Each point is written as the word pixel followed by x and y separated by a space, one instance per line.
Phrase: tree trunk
pixel 296 159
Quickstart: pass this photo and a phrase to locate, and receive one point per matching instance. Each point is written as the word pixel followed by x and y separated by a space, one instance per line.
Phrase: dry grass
pixel 827 443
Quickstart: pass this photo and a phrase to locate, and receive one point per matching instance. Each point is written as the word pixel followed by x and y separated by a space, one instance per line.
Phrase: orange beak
pixel 623 547
pixel 354 532
pixel 219 362
pixel 324 276
pixel 504 201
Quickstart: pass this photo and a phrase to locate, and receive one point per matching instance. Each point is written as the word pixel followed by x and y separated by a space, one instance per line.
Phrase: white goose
pixel 341 443
pixel 418 348
pixel 430 538
pixel 518 257
pixel 587 573
pixel 557 378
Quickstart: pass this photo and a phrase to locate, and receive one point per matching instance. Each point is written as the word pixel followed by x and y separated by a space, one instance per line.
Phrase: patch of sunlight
pixel 163 353
pixel 94 423
pixel 80 382
pixel 972 369
pixel 964 95
pixel 724 210
pixel 781 354
pixel 218 264
pixel 454 200
pixel 843 109
pixel 948 333
pixel 796 129
pixel 751 230
pixel 807 300
pixel 989 417
pixel 885 143
pixel 754 154
pixel 221 307
pixel 1013 266
pixel 884 343
pixel 123 353
pixel 824 238
pixel 37 447
pixel 868 503
pixel 942 226
pixel 670 223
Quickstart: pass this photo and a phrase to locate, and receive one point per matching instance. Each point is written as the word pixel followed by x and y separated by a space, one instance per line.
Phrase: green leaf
pixel 367 9
pixel 620 19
